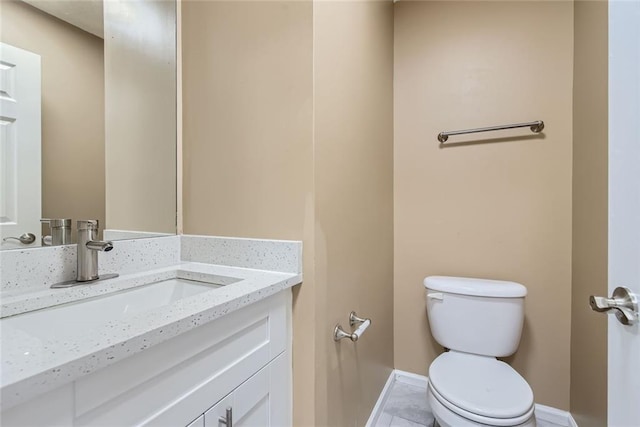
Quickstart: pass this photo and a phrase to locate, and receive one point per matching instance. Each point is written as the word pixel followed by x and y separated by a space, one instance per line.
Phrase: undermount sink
pixel 84 316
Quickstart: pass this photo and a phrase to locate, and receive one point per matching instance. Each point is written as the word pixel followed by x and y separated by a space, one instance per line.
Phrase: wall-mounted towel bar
pixel 339 333
pixel 536 127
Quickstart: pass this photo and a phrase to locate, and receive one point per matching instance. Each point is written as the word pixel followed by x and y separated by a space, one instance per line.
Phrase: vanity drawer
pixel 177 380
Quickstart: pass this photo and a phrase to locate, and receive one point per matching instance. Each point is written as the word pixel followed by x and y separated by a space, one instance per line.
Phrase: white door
pixel 20 157
pixel 624 206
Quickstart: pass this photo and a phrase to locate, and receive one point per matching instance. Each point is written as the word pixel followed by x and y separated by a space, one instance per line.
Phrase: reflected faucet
pixel 88 248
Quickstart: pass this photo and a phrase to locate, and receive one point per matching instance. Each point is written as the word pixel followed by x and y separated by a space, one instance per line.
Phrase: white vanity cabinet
pixel 257 402
pixel 199 422
pixel 239 361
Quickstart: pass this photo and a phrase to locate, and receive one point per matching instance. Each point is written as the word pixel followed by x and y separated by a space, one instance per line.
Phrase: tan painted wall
pixel 353 163
pixel 248 141
pixel 590 213
pixel 267 156
pixel 247 83
pixel 497 210
pixel 72 109
pixel 140 115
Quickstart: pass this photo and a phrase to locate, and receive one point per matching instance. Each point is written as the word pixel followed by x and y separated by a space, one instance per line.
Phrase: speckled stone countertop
pixel 32 365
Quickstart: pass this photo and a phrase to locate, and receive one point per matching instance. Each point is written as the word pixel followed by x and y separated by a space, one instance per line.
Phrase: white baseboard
pixel 572 422
pixel 410 378
pixel 382 399
pixel 395 376
pixel 555 416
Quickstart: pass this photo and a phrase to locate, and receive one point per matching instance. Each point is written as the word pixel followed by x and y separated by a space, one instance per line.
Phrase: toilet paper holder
pixel 339 333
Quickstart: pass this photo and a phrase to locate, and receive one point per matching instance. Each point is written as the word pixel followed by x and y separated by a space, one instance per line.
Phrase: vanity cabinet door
pixel 248 404
pixel 199 422
pixel 261 401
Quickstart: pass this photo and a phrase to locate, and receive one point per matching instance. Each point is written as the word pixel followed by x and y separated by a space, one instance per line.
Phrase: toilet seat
pixel 481 389
pixel 475 418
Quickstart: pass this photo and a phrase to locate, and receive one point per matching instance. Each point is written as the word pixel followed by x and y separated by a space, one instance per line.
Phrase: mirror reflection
pixel 87 119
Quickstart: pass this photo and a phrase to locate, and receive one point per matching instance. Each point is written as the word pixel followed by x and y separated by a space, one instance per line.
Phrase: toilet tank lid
pixel 475 287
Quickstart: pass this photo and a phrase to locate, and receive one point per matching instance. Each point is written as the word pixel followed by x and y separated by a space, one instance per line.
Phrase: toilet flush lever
pixel 623 301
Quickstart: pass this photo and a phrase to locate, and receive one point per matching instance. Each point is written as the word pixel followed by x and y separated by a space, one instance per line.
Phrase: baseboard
pixel 410 378
pixel 395 376
pixel 382 399
pixel 551 415
pixel 555 416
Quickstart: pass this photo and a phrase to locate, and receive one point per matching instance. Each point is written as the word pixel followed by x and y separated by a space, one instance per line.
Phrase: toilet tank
pixel 476 316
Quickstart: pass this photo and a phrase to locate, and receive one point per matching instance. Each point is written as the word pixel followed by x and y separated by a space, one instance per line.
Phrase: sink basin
pixel 84 316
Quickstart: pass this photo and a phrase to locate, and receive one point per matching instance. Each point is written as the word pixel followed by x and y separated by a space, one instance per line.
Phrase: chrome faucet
pixel 88 248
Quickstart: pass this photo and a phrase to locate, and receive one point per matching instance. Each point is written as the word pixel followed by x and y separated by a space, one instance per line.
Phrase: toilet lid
pixel 480 385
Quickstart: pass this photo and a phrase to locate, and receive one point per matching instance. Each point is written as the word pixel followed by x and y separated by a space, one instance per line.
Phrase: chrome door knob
pixel 623 301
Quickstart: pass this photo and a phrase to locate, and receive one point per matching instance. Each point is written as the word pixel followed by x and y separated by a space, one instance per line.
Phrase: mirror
pixel 87 118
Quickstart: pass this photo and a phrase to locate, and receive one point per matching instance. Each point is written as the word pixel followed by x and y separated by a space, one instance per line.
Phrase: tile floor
pixel 407 406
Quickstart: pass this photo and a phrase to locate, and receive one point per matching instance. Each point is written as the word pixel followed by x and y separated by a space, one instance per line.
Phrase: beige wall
pixel 248 141
pixel 590 210
pixel 497 210
pixel 140 115
pixel 72 109
pixel 292 139
pixel 247 83
pixel 353 163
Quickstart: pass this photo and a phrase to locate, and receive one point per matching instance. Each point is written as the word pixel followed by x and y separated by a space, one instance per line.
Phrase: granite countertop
pixel 32 365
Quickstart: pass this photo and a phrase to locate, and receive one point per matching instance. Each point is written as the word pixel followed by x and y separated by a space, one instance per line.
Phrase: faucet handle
pixel 87 224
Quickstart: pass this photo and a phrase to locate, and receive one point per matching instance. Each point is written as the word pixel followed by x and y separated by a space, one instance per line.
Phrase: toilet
pixel 477 320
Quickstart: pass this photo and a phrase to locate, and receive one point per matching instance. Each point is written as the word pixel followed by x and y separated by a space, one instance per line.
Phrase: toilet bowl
pixel 477 320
